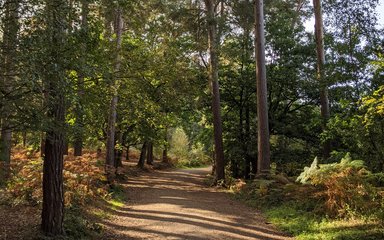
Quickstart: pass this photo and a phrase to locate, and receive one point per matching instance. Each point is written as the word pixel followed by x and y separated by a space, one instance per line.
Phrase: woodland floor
pixel 176 204
pixel 160 204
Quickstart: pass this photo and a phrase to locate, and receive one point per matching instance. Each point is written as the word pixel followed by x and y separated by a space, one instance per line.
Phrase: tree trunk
pixel 143 154
pixel 78 143
pixel 165 154
pixel 66 147
pixel 42 144
pixel 127 154
pixel 5 151
pixel 214 81
pixel 241 138
pixel 10 21
pixel 53 193
pixel 324 102
pixel 110 158
pixel 54 79
pixel 262 106
pixel 150 153
pixel 213 164
pixel 250 157
pixel 118 151
pixel 165 150
pixel 248 168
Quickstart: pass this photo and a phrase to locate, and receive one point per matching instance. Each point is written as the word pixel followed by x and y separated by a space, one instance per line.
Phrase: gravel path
pixel 177 205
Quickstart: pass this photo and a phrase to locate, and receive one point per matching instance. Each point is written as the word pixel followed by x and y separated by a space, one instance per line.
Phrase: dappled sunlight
pixel 177 205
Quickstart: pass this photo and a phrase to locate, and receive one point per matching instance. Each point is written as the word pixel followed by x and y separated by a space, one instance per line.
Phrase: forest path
pixel 176 204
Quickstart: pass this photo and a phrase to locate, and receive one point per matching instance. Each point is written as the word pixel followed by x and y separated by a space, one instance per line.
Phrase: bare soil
pixel 20 222
pixel 176 204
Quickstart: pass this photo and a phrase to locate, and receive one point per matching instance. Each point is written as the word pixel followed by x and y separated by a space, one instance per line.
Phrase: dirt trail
pixel 177 205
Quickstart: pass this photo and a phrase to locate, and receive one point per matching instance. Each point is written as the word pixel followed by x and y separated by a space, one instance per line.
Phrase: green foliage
pixel 179 143
pixel 290 218
pixel 305 225
pixel 346 188
pixel 361 132
pixel 290 154
pixel 184 154
pixel 376 179
pixel 374 107
pixel 339 200
pixel 308 172
pixel 162 84
pixel 77 227
pixel 117 196
pixel 307 211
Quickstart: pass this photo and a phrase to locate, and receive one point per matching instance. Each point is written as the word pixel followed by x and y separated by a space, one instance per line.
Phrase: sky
pixel 380 11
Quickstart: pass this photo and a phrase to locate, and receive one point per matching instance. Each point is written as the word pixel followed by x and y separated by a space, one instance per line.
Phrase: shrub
pixel 82 179
pixel 184 154
pixel 344 186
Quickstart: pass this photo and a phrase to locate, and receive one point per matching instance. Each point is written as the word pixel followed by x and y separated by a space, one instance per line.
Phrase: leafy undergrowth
pixel 83 179
pixel 337 201
pixel 194 163
pixel 187 162
pixel 88 198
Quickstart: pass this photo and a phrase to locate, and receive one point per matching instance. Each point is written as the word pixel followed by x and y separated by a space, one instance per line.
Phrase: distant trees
pixel 79 108
pixel 8 77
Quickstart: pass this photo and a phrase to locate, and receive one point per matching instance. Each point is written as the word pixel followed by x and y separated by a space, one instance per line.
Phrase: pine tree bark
pixel 150 153
pixel 66 146
pixel 54 80
pixel 262 106
pixel 42 144
pixel 110 158
pixel 165 154
pixel 143 154
pixel 165 149
pixel 8 67
pixel 214 82
pixel 324 101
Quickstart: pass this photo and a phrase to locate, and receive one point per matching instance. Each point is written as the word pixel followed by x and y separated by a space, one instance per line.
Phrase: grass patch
pixel 101 214
pixel 298 210
pixel 115 203
pixel 304 225
pixel 78 227
pixel 117 196
pixel 191 163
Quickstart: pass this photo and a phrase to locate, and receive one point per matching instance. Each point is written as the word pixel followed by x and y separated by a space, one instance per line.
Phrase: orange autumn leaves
pixel 83 178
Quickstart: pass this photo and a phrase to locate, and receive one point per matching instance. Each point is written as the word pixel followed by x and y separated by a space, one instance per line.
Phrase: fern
pixel 344 185
pixel 308 172
pixel 318 173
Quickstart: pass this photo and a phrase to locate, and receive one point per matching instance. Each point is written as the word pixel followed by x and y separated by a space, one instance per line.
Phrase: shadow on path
pixel 177 205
